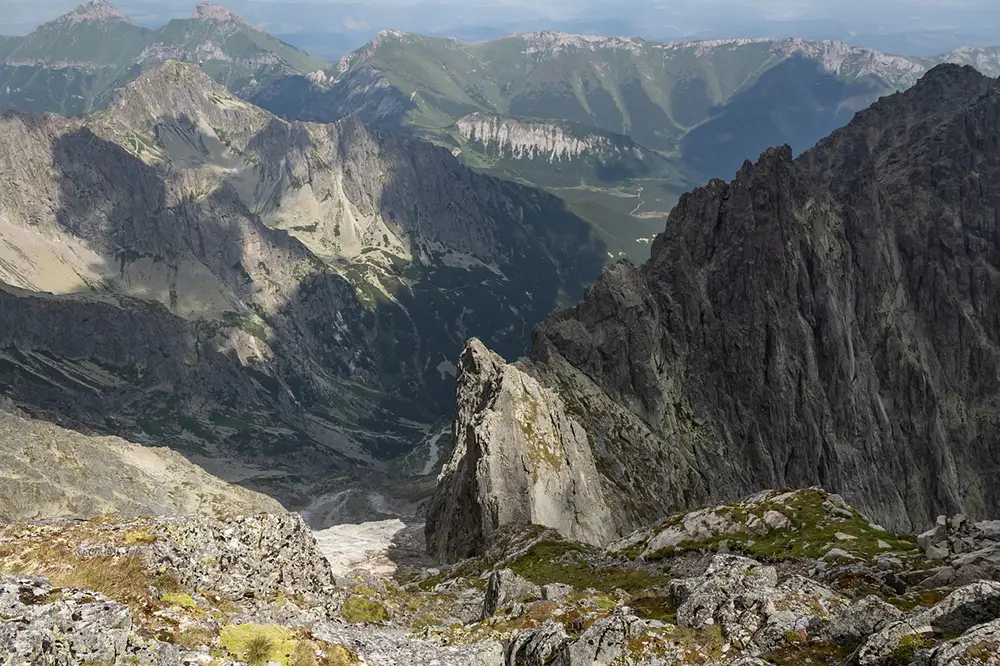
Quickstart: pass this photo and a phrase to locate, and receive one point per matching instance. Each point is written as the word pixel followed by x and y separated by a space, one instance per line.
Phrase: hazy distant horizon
pixel 331 28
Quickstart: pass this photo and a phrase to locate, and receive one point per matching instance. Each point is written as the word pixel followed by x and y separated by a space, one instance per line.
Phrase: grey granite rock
pixel 506 587
pixel 963 609
pixel 519 458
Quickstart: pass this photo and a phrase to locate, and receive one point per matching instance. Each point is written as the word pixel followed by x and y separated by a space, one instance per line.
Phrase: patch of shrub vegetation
pixel 906 650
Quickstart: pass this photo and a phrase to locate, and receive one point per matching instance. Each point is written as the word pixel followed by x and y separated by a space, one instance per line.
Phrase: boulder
pixel 604 643
pixel 989 529
pixel 556 591
pixel 979 645
pixel 539 647
pixel 506 587
pixel 861 619
pixel 963 609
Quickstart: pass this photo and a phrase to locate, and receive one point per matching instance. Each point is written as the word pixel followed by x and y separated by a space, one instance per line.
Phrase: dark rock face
pixel 832 320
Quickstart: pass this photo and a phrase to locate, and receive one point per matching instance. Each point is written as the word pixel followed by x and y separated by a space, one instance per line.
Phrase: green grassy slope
pixel 70 66
pixel 106 43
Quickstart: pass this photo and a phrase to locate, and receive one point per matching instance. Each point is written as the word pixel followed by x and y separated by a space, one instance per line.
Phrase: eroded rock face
pixel 777 333
pixel 518 459
pixel 962 610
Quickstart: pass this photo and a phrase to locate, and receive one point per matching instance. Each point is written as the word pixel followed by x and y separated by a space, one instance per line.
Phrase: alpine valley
pixel 282 302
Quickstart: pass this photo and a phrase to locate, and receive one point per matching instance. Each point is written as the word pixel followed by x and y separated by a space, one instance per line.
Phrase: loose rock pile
pixel 961 540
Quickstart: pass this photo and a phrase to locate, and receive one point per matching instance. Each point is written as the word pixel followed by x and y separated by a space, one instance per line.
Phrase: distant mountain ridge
pixel 501 76
pixel 694 109
pixel 72 64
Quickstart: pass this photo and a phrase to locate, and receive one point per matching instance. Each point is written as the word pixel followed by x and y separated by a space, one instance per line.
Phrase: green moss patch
pixel 179 599
pixel 259 643
pixel 577 565
pixel 812 531
pixel 654 607
pixel 358 608
pixel 906 650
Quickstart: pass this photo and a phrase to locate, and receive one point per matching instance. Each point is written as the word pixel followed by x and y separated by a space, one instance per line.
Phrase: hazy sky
pixel 335 25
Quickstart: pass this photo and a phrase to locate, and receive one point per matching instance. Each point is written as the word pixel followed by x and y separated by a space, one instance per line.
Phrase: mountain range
pixel 688 110
pixel 73 64
pixel 617 127
pixel 829 320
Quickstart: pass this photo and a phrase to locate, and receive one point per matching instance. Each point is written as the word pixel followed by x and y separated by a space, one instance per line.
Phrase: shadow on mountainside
pixel 796 102
pixel 303 390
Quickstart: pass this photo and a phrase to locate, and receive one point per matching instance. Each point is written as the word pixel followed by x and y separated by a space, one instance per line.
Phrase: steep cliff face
pixel 522 139
pixel 828 320
pixel 286 296
pixel 519 459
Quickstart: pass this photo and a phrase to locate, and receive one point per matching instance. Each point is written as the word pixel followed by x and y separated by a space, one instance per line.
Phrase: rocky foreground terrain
pixel 784 578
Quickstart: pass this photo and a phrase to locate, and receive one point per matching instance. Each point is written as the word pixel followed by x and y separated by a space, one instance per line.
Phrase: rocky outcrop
pixel 248 557
pixel 978 645
pixel 519 139
pixel 754 611
pixel 958 535
pixel 505 587
pixel 960 612
pixel 518 459
pixel 775 337
pixel 66 627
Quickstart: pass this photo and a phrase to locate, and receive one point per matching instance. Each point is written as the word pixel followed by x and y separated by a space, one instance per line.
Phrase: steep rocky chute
pixel 280 301
pixel 827 320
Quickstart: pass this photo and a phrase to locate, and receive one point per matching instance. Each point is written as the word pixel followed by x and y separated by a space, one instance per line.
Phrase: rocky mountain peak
pixel 94 10
pixel 775 334
pixel 164 82
pixel 208 11
pixel 950 76
pixel 548 41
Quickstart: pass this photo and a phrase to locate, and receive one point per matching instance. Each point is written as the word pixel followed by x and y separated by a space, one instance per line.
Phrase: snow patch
pixel 363 546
